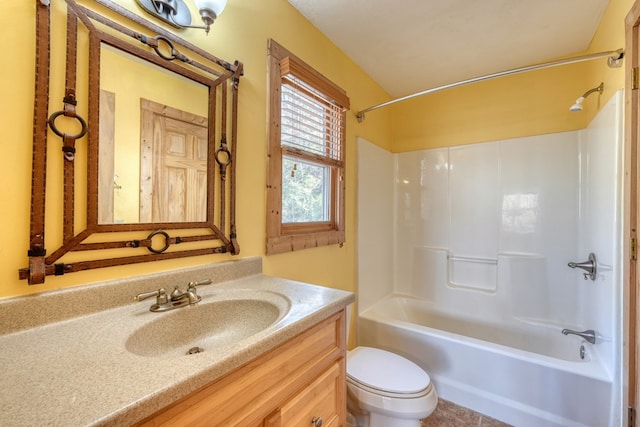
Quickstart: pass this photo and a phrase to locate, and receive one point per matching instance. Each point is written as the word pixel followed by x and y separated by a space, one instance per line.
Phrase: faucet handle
pixel 191 289
pixel 199 283
pixel 590 266
pixel 161 295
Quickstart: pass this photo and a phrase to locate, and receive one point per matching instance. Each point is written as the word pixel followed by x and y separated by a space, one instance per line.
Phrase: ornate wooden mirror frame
pixel 92 246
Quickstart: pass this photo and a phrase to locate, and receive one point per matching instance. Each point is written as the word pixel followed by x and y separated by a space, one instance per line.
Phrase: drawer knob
pixel 316 421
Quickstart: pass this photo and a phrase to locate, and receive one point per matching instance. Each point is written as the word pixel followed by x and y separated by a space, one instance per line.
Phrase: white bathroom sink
pixel 220 320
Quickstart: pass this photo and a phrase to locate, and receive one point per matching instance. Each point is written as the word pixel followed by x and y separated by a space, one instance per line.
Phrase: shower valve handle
pixel 590 266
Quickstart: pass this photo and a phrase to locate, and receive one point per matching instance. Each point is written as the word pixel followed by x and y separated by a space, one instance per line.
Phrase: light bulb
pixel 217 6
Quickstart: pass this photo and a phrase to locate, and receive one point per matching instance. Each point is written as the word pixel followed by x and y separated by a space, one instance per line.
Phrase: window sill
pixel 295 242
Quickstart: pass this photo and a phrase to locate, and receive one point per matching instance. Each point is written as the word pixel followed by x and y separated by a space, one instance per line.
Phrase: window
pixel 305 181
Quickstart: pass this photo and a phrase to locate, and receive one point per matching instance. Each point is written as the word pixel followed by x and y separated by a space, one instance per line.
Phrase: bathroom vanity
pixel 92 356
pixel 301 382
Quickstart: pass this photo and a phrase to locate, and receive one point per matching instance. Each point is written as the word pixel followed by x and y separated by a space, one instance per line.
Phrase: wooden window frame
pixel 295 236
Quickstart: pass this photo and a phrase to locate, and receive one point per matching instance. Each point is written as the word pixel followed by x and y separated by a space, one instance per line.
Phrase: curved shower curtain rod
pixel 615 61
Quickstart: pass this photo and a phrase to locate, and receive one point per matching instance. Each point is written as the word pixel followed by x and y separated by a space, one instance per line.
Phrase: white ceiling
pixel 411 45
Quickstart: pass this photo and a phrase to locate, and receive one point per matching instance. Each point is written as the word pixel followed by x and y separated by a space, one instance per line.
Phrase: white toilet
pixel 387 390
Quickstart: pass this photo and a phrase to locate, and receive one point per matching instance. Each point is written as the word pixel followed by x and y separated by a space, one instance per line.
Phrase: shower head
pixel 578 105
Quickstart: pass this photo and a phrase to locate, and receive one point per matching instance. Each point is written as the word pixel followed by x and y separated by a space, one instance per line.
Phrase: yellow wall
pixel 241 33
pixel 525 104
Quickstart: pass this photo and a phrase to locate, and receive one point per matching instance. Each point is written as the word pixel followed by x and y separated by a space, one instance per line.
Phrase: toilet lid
pixel 386 371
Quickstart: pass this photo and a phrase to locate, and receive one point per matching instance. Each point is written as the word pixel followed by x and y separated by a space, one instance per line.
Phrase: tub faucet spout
pixel 588 335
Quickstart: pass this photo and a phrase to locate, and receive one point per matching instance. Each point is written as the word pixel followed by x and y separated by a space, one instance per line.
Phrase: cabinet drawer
pixel 321 399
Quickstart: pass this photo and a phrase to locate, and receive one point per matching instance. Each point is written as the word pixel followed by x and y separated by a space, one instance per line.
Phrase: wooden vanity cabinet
pixel 300 383
pixel 319 403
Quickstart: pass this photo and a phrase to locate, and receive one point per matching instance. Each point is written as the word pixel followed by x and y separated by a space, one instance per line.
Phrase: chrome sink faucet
pixel 588 335
pixel 176 299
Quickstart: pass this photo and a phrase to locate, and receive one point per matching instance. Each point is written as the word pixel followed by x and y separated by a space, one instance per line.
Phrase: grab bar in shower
pixel 474 259
pixel 590 266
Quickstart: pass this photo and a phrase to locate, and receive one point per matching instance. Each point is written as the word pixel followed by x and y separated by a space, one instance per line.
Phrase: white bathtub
pixel 522 373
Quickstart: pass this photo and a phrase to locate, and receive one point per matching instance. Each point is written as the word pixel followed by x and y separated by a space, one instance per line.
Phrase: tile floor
pixel 448 414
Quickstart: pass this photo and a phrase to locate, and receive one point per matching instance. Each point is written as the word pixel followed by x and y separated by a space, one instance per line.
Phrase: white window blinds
pixel 310 122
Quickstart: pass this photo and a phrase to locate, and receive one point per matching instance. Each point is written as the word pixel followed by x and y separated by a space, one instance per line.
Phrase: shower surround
pixel 484 232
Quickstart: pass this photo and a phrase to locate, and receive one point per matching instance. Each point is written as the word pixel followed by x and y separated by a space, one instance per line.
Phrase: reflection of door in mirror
pixel 186 102
pixel 173 165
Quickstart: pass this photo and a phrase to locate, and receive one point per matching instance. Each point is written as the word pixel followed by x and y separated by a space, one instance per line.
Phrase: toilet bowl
pixel 387 390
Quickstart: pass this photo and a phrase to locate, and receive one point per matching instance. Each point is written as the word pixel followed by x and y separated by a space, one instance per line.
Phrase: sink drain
pixel 194 350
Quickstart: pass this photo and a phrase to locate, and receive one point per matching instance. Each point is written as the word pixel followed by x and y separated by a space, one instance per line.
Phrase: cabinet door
pixel 318 403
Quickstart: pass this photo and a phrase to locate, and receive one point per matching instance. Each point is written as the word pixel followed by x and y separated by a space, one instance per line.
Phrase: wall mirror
pixel 143 137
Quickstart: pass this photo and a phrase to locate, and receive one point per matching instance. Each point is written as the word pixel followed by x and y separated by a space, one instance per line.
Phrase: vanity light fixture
pixel 176 12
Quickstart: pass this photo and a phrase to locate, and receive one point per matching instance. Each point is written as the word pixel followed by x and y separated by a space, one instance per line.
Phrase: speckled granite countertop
pixel 77 370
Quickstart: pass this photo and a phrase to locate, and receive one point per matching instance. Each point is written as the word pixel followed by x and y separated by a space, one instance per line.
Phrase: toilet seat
pixel 387 374
pixel 384 393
